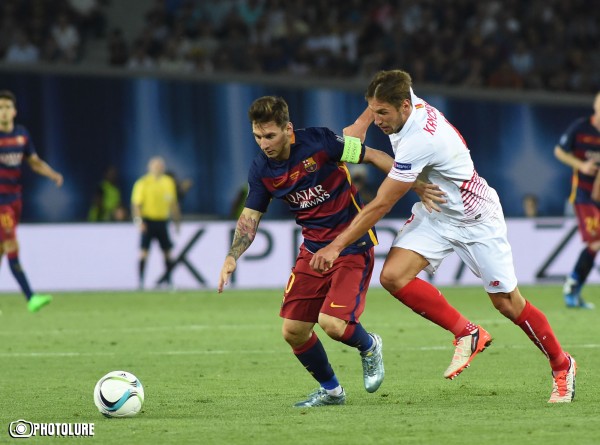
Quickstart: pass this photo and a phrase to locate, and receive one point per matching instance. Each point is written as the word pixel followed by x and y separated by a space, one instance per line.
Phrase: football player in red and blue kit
pixel 306 168
pixel 16 145
pixel 579 148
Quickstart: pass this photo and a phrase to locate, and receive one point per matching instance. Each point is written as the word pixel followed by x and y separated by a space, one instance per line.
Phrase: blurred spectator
pixel 505 77
pixel 118 51
pixel 22 50
pixel 106 202
pixel 521 59
pixel 474 43
pixel 67 38
pixel 183 186
pixel 530 206
pixel 140 59
pixel 170 59
pixel 89 16
pixel 250 11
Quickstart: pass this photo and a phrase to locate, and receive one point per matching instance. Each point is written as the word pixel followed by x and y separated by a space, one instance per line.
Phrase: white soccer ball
pixel 119 394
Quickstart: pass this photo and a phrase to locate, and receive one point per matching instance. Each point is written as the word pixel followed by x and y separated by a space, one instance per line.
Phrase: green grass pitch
pixel 217 371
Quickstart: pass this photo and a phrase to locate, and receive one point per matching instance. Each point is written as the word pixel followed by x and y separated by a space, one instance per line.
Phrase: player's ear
pixel 289 128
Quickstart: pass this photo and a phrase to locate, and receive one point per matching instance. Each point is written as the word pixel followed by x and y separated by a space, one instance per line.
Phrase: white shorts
pixel 483 247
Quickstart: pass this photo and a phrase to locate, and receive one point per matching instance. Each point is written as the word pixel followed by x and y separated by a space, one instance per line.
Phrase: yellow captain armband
pixel 352 150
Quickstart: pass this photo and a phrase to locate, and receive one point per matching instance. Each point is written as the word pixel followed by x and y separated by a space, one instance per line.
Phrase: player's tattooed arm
pixel 245 232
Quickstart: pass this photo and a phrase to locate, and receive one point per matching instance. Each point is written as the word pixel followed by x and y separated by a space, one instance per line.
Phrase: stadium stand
pixel 536 45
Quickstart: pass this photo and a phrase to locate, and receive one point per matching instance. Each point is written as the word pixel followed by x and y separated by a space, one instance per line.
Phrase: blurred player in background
pixel 16 145
pixel 153 204
pixel 579 148
pixel 470 223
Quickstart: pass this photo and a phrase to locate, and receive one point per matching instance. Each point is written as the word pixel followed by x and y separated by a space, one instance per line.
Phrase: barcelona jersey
pixel 14 146
pixel 582 140
pixel 315 184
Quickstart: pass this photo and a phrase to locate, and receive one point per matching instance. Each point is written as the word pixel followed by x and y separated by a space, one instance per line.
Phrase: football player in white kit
pixel 470 222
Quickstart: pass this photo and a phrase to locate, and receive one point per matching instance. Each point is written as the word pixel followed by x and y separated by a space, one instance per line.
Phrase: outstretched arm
pixel 587 167
pixel 176 214
pixel 596 188
pixel 388 194
pixel 245 232
pixel 379 159
pixel 42 168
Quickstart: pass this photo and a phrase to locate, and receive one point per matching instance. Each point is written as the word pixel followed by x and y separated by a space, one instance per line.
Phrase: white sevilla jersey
pixel 430 148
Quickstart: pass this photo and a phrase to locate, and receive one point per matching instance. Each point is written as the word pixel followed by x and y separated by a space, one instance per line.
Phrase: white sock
pixel 335 391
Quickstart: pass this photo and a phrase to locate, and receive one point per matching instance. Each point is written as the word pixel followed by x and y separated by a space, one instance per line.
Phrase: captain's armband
pixel 352 150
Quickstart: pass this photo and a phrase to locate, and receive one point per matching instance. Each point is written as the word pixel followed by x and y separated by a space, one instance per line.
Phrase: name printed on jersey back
pixel 431 123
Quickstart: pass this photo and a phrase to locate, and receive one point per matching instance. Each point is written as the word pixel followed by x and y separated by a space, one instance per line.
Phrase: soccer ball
pixel 119 394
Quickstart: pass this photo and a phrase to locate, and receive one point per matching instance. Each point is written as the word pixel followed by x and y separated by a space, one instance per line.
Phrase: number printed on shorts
pixel 591 224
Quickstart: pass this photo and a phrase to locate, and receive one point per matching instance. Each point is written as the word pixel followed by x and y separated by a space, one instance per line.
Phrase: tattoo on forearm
pixel 245 232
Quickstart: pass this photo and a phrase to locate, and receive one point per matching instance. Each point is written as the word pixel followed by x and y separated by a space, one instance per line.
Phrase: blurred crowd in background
pixel 535 45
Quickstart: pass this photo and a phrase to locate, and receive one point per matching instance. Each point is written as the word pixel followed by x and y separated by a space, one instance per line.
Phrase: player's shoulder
pixel 312 133
pixel 170 180
pixel 259 165
pixel 20 128
pixel 578 124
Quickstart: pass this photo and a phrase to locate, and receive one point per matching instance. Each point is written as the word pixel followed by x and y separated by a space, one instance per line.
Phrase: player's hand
pixel 228 268
pixel 58 179
pixel 589 167
pixel 430 195
pixel 323 259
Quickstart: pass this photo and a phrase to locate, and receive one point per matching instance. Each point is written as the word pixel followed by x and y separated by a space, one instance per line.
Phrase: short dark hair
pixel 6 94
pixel 269 109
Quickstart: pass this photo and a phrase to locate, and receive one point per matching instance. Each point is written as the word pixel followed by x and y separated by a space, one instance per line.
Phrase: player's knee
pixel 294 338
pixel 506 306
pixel 333 327
pixel 10 246
pixel 391 281
pixel 333 331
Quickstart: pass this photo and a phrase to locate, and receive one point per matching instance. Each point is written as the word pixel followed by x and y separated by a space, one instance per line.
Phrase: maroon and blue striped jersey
pixel 582 140
pixel 14 146
pixel 315 184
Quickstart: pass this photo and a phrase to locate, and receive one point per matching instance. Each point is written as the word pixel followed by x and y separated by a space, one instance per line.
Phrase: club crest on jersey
pixel 402 166
pixel 310 165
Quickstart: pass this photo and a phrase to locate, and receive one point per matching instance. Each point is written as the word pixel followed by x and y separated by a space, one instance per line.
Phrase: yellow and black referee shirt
pixel 155 196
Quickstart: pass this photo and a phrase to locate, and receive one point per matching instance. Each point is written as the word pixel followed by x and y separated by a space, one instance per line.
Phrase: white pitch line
pixel 202 327
pixel 244 352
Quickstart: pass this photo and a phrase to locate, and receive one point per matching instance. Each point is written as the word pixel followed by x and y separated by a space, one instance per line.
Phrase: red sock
pixel 428 302
pixel 535 324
